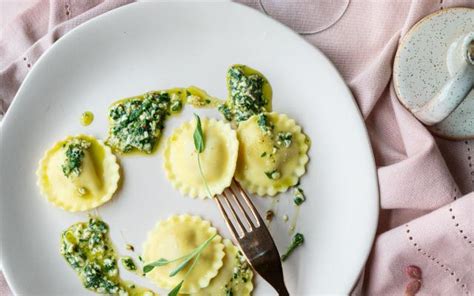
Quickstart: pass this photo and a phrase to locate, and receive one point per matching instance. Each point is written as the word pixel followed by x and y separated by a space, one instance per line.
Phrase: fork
pixel 254 238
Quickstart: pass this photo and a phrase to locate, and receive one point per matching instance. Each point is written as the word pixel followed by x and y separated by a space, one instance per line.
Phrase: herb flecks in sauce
pixel 240 274
pixel 128 263
pixel 264 124
pixel 284 139
pixel 87 118
pixel 297 241
pixel 87 249
pixel 136 123
pixel 199 98
pixel 273 175
pixel 75 151
pixel 249 94
pixel 299 197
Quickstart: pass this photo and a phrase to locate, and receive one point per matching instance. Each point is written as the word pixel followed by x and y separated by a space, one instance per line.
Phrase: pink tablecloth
pixel 426 183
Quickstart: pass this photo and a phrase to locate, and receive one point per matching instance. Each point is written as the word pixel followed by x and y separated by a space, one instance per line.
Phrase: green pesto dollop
pixel 249 94
pixel 75 151
pixel 136 123
pixel 128 264
pixel 87 118
pixel 88 250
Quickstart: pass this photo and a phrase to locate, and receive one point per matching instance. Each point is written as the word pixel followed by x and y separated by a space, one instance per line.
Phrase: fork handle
pixel 281 290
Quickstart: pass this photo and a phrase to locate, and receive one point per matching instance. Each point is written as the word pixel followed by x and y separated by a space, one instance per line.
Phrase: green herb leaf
pixel 182 265
pixel 199 144
pixel 194 254
pixel 198 136
pixel 176 289
pixel 160 262
pixel 297 241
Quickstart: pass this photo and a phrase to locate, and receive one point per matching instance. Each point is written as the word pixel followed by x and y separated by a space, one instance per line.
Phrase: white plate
pixel 148 46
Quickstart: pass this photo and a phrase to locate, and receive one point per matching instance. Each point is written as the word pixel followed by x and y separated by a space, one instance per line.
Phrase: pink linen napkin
pixel 34 31
pixel 421 178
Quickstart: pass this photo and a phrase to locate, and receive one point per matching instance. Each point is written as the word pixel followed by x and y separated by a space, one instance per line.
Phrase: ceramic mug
pixel 460 60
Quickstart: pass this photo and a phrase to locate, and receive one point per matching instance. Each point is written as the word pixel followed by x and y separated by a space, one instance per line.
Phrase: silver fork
pixel 253 237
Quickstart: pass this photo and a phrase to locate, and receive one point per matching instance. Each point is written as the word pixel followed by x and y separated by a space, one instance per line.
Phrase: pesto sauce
pixel 249 94
pixel 199 98
pixel 136 123
pixel 128 264
pixel 75 151
pixel 87 118
pixel 88 250
pixel 240 275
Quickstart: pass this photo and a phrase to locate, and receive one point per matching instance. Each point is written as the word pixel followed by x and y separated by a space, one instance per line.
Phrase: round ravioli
pixel 235 276
pixel 176 237
pixel 218 160
pixel 78 173
pixel 272 153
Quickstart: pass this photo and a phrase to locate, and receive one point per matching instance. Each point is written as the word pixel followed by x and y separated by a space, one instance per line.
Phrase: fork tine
pixel 250 205
pixel 234 214
pixel 249 221
pixel 226 217
pixel 257 244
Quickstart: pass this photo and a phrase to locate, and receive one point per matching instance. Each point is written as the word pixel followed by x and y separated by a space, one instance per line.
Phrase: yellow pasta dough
pixel 234 278
pixel 92 187
pixel 272 158
pixel 218 160
pixel 177 237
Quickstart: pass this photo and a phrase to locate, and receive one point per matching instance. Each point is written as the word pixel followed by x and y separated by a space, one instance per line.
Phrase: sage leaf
pixel 198 136
pixel 176 289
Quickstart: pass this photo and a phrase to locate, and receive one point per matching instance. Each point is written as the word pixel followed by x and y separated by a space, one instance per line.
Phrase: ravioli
pixel 234 278
pixel 177 237
pixel 218 160
pixel 272 153
pixel 84 187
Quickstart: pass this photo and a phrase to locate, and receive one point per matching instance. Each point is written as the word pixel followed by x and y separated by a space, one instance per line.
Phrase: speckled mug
pixel 460 60
pixel 434 72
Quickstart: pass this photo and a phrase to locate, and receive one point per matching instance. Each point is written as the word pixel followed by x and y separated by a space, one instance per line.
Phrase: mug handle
pixel 448 98
pixel 454 91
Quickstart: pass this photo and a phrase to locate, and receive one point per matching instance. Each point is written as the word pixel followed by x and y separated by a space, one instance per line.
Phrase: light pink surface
pixel 426 209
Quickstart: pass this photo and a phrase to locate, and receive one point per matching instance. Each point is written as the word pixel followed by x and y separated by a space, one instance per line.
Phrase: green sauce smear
pixel 136 123
pixel 88 250
pixel 249 93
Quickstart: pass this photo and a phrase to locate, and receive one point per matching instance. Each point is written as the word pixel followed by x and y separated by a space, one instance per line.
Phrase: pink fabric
pixel 34 31
pixel 421 178
pixel 426 209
